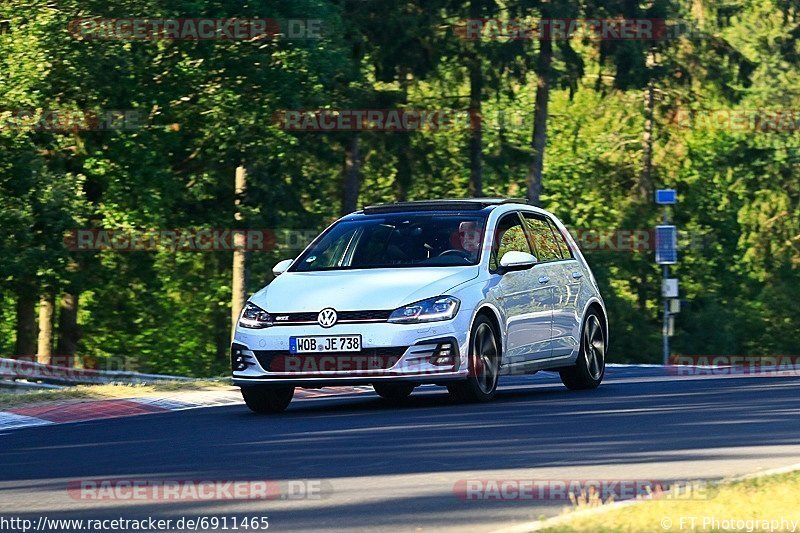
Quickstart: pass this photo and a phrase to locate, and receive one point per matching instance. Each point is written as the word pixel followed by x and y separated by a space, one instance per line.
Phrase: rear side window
pixel 543 239
pixel 566 253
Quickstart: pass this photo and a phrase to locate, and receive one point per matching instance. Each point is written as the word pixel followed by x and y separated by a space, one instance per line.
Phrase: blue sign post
pixel 666 244
pixel 666 254
pixel 666 196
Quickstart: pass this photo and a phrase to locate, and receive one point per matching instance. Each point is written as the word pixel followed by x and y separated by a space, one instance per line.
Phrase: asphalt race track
pixel 395 468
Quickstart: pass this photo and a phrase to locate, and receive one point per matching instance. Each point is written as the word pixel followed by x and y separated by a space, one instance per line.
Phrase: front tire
pixel 394 392
pixel 484 365
pixel 266 399
pixel 591 364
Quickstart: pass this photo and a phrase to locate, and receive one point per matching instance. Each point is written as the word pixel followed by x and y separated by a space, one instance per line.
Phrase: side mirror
pixel 517 261
pixel 281 267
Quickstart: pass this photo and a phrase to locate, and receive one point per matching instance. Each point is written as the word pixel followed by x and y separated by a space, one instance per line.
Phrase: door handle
pixel 544 279
pixel 577 275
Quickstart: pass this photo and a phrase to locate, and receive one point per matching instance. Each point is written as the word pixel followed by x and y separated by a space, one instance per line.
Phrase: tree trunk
pixel 68 330
pixel 646 178
pixel 44 352
pixel 239 279
pixel 476 129
pixel 26 323
pixel 476 118
pixel 403 178
pixel 352 176
pixel 222 337
pixel 539 140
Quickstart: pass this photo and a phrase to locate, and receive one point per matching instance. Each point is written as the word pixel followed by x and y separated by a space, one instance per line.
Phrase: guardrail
pixel 16 369
pixel 9 385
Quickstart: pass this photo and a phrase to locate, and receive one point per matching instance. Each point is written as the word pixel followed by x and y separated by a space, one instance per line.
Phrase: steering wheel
pixel 460 253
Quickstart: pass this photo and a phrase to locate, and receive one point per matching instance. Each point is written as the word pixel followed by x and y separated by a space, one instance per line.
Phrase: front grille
pixel 282 361
pixel 278 319
pixel 294 319
pixel 364 315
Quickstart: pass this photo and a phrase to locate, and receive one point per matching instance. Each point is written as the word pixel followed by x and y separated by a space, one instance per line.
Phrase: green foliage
pixel 207 106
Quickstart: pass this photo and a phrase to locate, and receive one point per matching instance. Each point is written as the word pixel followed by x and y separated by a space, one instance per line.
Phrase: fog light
pixel 241 358
pixel 443 355
pixel 238 364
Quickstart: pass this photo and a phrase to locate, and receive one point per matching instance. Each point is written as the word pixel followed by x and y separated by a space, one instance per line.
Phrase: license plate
pixel 324 344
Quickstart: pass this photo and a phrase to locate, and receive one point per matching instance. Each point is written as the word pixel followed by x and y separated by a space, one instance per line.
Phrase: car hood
pixel 353 290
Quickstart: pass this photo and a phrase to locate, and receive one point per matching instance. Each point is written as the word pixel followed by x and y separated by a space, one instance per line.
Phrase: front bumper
pixel 422 353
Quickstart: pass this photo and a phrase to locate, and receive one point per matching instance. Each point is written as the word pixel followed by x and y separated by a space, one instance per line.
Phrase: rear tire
pixel 484 365
pixel 267 399
pixel 590 367
pixel 394 392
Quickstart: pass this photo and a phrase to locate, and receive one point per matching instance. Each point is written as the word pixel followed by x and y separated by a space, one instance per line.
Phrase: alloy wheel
pixel 484 358
pixel 594 347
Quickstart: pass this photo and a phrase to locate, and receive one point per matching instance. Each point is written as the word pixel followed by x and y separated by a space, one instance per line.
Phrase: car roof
pixel 465 204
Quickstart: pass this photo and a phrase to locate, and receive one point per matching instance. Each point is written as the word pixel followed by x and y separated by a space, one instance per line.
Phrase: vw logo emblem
pixel 327 317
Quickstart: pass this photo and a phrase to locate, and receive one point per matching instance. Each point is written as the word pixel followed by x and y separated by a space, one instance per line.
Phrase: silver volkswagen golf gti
pixel 450 292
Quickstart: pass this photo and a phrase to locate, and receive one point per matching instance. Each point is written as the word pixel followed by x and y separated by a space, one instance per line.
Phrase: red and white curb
pixel 81 411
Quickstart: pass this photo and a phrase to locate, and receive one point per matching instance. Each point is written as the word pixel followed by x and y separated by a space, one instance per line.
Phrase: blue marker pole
pixel 666 197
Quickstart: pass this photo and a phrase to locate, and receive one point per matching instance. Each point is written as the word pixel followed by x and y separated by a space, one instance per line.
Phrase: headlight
pixel 430 310
pixel 254 317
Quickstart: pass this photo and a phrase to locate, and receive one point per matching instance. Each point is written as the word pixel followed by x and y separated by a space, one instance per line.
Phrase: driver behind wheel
pixel 469 239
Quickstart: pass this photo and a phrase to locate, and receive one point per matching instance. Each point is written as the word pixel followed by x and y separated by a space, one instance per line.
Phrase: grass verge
pixel 102 392
pixel 755 504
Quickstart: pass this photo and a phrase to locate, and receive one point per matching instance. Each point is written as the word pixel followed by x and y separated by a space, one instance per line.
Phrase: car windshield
pixel 397 241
